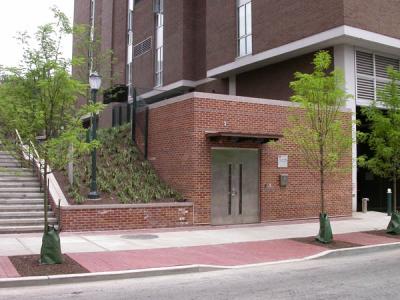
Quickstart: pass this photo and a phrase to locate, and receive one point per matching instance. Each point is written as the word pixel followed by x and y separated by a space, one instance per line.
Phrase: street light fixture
pixel 95 84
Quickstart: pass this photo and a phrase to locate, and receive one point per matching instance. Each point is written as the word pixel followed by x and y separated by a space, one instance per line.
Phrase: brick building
pixel 214 75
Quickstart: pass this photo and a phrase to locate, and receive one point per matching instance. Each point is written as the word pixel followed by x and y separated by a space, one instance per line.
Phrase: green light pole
pixel 95 84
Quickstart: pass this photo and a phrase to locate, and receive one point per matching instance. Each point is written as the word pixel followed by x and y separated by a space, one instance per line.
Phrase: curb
pixel 100 276
pixel 143 273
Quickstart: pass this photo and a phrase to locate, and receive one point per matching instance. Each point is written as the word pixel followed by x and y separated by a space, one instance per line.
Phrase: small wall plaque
pixel 283 161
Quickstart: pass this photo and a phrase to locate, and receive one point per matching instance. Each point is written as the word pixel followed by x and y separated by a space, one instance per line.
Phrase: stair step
pixel 18 177
pixel 24 201
pixel 17 169
pixel 8 159
pixel 2 152
pixel 16 195
pixel 17 184
pixel 16 172
pixel 21 229
pixel 9 164
pixel 22 207
pixel 24 214
pixel 27 189
pixel 23 176
pixel 27 221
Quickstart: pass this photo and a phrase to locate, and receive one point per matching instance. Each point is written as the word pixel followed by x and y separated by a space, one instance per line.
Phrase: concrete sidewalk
pixel 155 239
pixel 227 246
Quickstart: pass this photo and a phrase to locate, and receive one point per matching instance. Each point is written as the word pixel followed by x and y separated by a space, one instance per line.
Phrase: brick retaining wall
pixel 125 216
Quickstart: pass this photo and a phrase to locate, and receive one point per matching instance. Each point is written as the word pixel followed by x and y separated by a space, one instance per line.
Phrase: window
pixel 129 79
pixel 129 62
pixel 245 42
pixel 91 33
pixel 159 43
pixel 92 18
pixel 371 73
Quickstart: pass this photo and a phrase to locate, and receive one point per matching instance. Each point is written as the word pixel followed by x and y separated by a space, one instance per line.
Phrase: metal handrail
pixel 35 151
pixel 19 138
pixel 35 162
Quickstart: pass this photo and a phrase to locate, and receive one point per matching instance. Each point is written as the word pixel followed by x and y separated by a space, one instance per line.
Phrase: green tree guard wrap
pixel 50 252
pixel 325 231
pixel 394 224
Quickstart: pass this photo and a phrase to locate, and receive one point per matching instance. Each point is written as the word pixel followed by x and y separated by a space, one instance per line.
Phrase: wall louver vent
pixel 365 89
pixel 382 63
pixel 142 47
pixel 365 63
pixel 372 74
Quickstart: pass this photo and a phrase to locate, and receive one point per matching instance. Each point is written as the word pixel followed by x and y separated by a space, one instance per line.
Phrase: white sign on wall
pixel 283 161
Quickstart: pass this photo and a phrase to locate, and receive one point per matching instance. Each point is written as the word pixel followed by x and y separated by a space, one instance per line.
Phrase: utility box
pixel 283 180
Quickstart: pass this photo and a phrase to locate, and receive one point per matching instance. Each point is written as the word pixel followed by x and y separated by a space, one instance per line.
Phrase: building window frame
pixel 159 42
pixel 129 56
pixel 244 27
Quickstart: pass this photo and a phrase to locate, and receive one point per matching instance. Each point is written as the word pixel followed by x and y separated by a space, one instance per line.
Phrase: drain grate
pixel 140 236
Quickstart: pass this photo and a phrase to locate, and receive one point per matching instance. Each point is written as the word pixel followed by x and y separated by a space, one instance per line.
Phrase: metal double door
pixel 235 186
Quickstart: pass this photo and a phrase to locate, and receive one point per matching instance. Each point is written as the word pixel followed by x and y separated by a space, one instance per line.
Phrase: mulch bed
pixel 335 244
pixel 28 265
pixel 383 233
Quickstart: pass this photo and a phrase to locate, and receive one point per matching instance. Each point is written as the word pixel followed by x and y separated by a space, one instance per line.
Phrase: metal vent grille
pixel 142 47
pixel 382 63
pixel 365 63
pixel 365 89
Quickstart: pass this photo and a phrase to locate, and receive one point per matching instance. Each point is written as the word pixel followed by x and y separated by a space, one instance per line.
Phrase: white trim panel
pixel 338 35
pixel 222 97
pixel 175 85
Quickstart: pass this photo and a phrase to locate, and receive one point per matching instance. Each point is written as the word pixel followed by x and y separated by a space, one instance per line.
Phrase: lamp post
pixel 95 84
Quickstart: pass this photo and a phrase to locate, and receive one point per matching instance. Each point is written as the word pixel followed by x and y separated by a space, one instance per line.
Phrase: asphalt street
pixel 353 276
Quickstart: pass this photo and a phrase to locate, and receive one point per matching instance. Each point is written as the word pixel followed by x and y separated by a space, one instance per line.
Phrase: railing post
pixel 33 164
pixel 29 154
pixel 40 176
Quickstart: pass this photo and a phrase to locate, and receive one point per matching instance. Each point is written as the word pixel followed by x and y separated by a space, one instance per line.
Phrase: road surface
pixel 359 276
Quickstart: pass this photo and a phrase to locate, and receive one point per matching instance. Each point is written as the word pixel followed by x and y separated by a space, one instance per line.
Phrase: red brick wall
pixel 181 155
pixel 123 217
pixel 171 144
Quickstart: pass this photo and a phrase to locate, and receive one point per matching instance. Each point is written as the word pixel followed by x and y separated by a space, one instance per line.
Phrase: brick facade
pixel 181 154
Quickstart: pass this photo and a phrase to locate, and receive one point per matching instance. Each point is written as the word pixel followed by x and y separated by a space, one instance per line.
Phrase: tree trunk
pixel 322 191
pixel 321 173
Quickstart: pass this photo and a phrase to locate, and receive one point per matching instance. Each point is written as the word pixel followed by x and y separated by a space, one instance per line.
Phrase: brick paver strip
pixel 365 239
pixel 7 268
pixel 224 255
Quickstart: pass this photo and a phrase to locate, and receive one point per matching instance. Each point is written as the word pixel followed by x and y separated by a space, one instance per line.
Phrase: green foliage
pixel 99 59
pixel 384 136
pixel 38 97
pixel 121 173
pixel 318 132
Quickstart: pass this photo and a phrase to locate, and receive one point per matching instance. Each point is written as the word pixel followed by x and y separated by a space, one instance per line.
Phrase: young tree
pixel 38 98
pixel 318 131
pixel 384 137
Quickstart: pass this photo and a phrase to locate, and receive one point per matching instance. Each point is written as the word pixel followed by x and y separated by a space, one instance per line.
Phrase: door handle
pixel 233 193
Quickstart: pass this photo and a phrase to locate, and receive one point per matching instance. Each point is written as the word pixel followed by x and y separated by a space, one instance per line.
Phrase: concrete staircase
pixel 21 199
